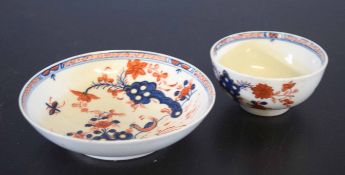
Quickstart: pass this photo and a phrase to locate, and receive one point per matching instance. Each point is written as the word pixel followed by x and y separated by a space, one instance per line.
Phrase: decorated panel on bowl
pixel 265 93
pixel 117 95
pixel 262 95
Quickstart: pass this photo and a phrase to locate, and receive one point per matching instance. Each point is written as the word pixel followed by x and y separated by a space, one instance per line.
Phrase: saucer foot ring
pixel 264 113
pixel 118 158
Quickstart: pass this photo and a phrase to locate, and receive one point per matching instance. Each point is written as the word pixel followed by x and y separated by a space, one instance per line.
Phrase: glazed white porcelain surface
pixel 271 96
pixel 118 104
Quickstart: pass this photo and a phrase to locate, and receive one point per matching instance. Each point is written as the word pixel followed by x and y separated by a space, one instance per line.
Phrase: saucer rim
pixel 197 121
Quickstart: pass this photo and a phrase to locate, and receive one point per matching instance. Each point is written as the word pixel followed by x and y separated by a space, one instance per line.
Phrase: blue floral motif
pixel 105 134
pixel 142 92
pixel 101 130
pixel 123 135
pixel 258 105
pixel 93 121
pixel 231 87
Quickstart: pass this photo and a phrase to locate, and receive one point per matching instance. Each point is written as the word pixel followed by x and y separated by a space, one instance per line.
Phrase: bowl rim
pixel 38 127
pixel 313 73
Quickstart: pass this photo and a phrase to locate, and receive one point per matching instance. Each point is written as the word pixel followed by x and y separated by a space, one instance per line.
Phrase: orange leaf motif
pixel 288 86
pixel 287 102
pixel 114 92
pixel 105 78
pixel 84 97
pixel 160 75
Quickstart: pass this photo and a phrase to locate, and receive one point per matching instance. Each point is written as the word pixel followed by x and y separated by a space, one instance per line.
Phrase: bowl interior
pixel 269 54
pixel 117 95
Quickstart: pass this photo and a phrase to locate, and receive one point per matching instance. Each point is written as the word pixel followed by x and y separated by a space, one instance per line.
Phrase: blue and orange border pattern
pixel 272 35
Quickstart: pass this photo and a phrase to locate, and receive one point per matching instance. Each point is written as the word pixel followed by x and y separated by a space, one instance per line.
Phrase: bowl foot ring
pixel 264 113
pixel 119 158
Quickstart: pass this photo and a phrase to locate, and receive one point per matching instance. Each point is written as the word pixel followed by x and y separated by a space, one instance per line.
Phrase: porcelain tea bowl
pixel 117 104
pixel 266 96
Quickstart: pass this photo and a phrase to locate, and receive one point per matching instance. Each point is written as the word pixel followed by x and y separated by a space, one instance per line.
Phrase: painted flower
pixel 160 76
pixel 258 105
pixel 188 87
pixel 84 96
pixel 287 102
pixel 262 91
pixel 135 68
pixel 288 86
pixel 102 124
pixel 102 120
